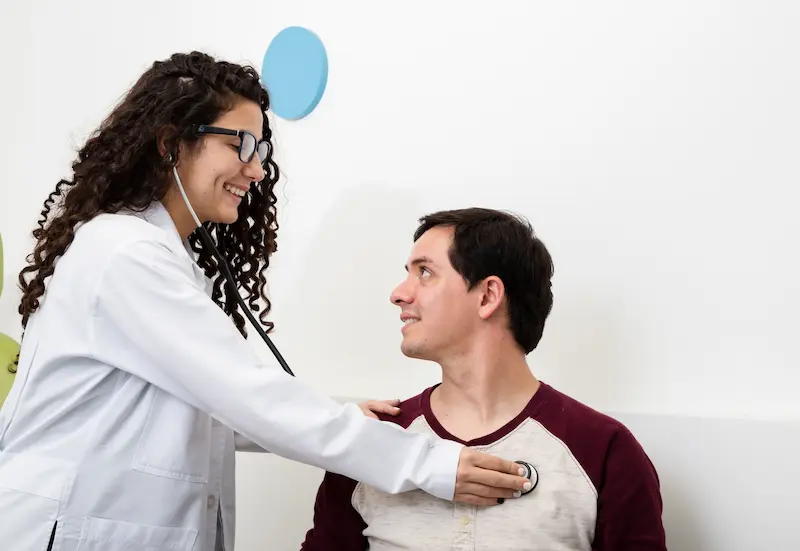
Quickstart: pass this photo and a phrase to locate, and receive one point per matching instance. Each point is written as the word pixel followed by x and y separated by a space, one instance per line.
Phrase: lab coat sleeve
pixel 241 443
pixel 152 319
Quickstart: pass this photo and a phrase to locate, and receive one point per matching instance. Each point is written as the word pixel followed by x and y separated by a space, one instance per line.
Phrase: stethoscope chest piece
pixel 531 474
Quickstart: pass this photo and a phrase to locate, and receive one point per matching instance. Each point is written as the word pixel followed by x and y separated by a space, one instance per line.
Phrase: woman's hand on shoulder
pixel 372 407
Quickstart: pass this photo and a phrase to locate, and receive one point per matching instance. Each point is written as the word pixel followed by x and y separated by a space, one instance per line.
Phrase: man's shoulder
pixel 624 477
pixel 411 409
pixel 594 438
pixel 563 410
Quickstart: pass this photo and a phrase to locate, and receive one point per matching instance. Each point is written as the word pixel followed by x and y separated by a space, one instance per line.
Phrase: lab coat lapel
pixel 158 215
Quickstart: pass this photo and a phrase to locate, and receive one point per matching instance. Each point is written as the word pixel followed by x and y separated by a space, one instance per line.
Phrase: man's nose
pixel 402 294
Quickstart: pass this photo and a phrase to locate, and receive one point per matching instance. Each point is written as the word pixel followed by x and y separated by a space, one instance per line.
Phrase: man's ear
pixel 492 296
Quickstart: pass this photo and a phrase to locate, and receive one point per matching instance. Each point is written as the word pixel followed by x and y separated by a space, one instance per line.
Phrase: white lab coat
pixel 132 391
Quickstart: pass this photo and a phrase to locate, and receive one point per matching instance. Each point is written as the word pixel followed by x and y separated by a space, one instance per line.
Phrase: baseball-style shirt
pixel 597 491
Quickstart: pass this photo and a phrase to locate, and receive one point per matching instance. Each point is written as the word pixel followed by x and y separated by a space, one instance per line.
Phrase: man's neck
pixel 481 393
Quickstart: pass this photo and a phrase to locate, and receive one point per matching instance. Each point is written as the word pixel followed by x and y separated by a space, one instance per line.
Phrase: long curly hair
pixel 120 167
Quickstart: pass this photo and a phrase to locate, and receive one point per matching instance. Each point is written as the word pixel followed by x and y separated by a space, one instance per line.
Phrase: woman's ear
pixel 165 140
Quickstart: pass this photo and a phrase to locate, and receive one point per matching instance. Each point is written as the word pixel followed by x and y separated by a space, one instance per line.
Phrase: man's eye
pixel 424 271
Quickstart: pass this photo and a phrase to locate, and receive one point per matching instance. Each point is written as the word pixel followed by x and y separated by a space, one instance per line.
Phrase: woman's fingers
pixel 490 492
pixel 482 478
pixel 371 407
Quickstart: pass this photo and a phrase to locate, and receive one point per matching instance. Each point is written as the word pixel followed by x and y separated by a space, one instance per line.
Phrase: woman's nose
pixel 253 170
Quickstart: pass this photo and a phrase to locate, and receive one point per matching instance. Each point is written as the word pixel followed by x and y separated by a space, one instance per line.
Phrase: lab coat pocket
pixel 31 488
pixel 99 534
pixel 176 440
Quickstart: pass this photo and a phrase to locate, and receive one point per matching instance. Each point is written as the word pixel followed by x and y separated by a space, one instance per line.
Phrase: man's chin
pixel 412 351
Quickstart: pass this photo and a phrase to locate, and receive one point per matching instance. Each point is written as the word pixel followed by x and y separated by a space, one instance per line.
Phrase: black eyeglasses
pixel 248 144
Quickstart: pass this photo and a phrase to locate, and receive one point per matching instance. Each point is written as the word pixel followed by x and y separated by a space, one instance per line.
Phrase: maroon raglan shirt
pixel 597 491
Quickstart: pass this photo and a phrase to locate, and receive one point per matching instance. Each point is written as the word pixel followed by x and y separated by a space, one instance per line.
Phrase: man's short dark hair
pixel 487 243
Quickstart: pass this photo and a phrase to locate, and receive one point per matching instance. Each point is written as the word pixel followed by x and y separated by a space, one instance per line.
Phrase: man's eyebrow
pixel 420 260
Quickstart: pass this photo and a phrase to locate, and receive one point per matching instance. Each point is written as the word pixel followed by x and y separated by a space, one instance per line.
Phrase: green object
pixel 1 264
pixel 9 348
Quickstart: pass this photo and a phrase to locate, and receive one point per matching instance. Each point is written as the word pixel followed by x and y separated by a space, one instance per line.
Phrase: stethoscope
pixel 226 272
pixel 530 471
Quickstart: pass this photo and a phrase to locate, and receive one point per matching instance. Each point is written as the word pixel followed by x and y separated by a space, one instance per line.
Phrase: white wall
pixel 653 146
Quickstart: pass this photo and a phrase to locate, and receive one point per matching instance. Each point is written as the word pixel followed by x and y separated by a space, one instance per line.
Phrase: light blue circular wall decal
pixel 295 72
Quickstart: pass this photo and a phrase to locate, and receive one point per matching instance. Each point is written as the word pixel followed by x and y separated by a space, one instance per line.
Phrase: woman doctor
pixel 134 387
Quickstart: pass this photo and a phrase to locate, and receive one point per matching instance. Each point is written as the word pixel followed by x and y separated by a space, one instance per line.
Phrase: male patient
pixel 475 301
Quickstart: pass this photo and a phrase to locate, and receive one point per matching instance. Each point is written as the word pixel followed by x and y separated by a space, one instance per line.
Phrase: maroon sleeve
pixel 337 526
pixel 629 495
pixel 629 503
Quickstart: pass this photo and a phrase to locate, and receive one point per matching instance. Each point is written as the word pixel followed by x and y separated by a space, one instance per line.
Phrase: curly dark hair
pixel 120 167
pixel 490 242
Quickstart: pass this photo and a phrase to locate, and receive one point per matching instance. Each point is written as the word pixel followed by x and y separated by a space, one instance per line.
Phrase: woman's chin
pixel 226 216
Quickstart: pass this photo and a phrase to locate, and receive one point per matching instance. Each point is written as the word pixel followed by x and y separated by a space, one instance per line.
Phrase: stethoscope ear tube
pixel 226 272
